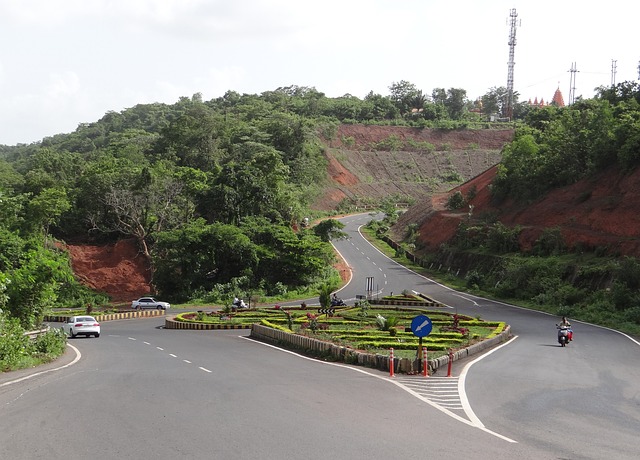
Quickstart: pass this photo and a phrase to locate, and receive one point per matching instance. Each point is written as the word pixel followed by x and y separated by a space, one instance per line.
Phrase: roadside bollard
pixel 450 362
pixel 425 364
pixel 391 362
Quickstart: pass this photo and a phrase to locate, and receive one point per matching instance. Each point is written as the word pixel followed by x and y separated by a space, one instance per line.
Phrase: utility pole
pixel 614 70
pixel 572 83
pixel 512 45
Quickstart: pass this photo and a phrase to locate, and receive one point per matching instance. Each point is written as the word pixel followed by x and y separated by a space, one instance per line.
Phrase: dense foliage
pixel 559 146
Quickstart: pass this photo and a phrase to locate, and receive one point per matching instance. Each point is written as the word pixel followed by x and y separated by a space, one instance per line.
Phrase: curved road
pixel 140 391
pixel 582 401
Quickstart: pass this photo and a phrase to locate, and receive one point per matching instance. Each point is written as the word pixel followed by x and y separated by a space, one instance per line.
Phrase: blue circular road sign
pixel 421 326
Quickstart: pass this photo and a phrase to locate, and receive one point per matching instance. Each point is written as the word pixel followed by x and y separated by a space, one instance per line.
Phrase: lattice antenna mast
pixel 614 70
pixel 572 83
pixel 512 45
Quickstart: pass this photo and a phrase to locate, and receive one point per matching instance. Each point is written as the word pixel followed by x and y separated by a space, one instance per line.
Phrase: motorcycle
pixel 337 302
pixel 564 335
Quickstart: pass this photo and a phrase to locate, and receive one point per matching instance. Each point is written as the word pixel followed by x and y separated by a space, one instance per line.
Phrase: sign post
pixel 421 326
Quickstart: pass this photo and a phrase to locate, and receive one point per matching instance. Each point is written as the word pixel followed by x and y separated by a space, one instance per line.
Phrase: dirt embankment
pixel 598 212
pixel 118 270
pixel 370 163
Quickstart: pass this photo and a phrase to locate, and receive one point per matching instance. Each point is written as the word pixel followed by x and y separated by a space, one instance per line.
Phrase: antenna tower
pixel 572 83
pixel 614 70
pixel 512 45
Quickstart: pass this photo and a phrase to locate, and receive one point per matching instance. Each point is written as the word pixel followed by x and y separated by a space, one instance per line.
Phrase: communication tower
pixel 512 45
pixel 572 83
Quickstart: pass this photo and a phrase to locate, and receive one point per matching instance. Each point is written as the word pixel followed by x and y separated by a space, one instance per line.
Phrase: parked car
pixel 81 325
pixel 149 302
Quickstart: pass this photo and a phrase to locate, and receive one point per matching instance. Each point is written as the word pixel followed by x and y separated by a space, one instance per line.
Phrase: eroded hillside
pixel 367 163
pixel 600 212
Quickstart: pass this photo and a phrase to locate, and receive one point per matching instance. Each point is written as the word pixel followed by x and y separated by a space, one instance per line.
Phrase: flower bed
pixel 359 328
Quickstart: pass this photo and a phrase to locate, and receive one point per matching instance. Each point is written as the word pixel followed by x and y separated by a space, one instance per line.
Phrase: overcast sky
pixel 66 62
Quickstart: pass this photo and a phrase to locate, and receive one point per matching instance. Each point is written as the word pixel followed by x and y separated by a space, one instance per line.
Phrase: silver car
pixel 149 302
pixel 81 325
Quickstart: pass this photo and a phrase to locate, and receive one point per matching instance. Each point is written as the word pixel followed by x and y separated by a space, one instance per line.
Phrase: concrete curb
pixel 171 323
pixel 110 316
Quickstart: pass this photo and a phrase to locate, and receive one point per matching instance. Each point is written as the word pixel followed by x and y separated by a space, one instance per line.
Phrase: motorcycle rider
pixel 565 324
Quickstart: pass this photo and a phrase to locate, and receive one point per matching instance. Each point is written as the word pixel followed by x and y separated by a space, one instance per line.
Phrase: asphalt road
pixel 578 402
pixel 140 391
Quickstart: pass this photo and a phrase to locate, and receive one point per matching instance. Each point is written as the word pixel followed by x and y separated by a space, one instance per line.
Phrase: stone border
pixel 110 316
pixel 407 303
pixel 171 323
pixel 315 347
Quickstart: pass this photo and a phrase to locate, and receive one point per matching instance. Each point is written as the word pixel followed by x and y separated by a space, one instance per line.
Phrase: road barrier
pixel 107 317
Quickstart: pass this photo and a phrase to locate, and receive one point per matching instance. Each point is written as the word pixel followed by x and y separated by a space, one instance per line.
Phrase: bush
pixel 51 344
pixel 456 201
pixel 14 345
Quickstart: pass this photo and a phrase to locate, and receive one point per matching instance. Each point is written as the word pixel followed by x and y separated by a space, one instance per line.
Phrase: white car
pixel 149 302
pixel 81 325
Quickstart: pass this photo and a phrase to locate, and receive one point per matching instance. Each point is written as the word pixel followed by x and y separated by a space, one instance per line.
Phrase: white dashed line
pixel 172 355
pixel 186 361
pixel 204 369
pixel 161 349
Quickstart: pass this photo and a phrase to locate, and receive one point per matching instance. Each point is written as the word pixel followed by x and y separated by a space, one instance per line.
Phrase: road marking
pixel 161 349
pixel 440 390
pixel 472 420
pixel 204 369
pixel 75 360
pixel 146 343
pixel 172 355
pixel 186 361
pixel 132 338
pixel 475 304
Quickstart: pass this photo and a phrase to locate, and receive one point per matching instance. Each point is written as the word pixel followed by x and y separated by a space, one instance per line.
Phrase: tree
pixel 45 209
pixel 329 229
pixel 197 255
pixel 495 101
pixel 378 107
pixel 403 94
pixel 456 103
pixel 253 185
pixel 142 212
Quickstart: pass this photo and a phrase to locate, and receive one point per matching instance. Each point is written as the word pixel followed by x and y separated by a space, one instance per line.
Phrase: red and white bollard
pixel 391 362
pixel 425 363
pixel 450 363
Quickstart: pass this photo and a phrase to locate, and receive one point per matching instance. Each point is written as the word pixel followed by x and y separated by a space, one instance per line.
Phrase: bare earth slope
pixel 599 212
pixel 367 163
